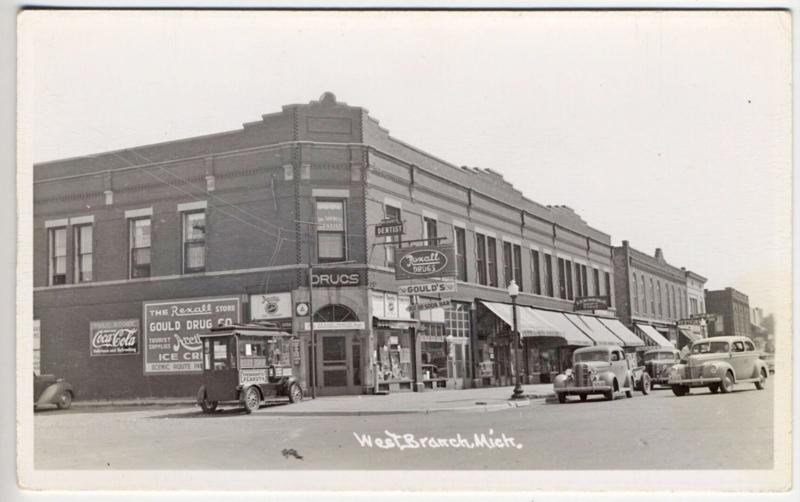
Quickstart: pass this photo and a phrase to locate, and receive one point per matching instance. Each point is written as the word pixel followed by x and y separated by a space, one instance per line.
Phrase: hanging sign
pixel 389 228
pixel 445 302
pixel 427 288
pixel 425 261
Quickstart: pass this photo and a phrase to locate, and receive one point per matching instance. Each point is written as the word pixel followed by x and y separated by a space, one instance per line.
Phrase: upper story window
pixel 579 280
pixel 331 236
pixel 666 294
pixel 562 279
pixel 491 261
pixel 548 275
pixel 429 230
pixel 535 275
pixel 518 266
pixel 480 260
pixel 194 242
pixel 635 294
pixel 461 253
pixel 652 298
pixel 660 308
pixel 585 278
pixel 83 253
pixel 57 238
pixel 508 263
pixel 570 294
pixel 393 214
pixel 139 247
pixel 596 280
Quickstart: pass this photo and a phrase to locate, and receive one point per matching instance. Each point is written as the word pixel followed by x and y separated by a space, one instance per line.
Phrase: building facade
pixel 732 309
pixel 137 251
pixel 651 295
pixel 695 326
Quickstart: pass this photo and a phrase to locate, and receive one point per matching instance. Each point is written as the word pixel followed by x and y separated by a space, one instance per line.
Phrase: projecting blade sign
pixel 425 261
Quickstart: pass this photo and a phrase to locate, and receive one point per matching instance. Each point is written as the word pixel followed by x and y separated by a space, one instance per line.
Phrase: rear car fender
pixel 761 366
pixel 51 393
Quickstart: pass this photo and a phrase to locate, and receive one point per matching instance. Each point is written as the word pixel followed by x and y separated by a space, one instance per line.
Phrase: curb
pixel 421 411
pixel 128 404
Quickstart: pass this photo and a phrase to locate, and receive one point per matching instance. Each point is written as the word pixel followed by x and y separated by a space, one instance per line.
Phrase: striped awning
pixel 571 333
pixel 655 337
pixel 596 331
pixel 628 337
pixel 528 324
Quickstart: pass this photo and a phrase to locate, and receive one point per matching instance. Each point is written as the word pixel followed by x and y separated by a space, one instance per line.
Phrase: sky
pixel 666 129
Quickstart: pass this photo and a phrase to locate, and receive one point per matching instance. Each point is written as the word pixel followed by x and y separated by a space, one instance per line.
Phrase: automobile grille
pixel 582 376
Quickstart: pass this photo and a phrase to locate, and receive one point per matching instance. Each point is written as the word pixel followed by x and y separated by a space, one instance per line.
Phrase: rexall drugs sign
pixel 425 261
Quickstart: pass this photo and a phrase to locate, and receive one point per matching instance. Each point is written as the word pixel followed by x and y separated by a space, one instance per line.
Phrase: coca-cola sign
pixel 110 338
pixel 425 261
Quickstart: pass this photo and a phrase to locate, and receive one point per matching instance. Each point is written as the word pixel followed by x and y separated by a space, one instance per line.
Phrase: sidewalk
pixel 467 400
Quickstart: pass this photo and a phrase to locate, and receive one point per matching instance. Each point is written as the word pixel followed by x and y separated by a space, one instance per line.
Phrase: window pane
pixel 330 245
pixel 86 267
pixel 195 256
pixel 330 216
pixel 195 226
pixel 85 233
pixel 60 242
pixel 141 233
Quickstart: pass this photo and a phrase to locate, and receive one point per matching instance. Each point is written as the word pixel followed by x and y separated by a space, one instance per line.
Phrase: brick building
pixel 137 251
pixel 651 295
pixel 732 309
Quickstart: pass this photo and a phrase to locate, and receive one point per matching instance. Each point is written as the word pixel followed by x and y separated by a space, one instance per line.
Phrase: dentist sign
pixel 172 331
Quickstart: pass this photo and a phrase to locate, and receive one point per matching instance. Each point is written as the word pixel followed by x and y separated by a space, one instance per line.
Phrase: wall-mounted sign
pixel 337 277
pixel 690 322
pixel 445 302
pixel 301 309
pixel 388 228
pixel 295 352
pixel 425 261
pixel 591 302
pixel 172 331
pixel 109 338
pixel 427 288
pixel 334 326
pixel 271 306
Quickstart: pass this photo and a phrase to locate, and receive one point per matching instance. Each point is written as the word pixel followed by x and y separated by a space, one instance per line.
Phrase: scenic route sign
pixel 427 288
pixel 425 261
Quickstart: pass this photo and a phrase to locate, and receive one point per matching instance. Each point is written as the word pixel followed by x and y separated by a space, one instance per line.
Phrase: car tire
pixel 64 400
pixel 610 395
pixel 762 380
pixel 583 397
pixel 714 388
pixel 726 385
pixel 629 393
pixel 645 385
pixel 252 399
pixel 208 406
pixel 295 393
pixel 680 390
pixel 562 397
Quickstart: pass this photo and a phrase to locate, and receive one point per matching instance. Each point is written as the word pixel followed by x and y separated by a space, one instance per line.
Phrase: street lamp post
pixel 513 292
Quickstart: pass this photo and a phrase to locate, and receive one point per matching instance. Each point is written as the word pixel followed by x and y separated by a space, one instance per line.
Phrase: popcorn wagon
pixel 246 365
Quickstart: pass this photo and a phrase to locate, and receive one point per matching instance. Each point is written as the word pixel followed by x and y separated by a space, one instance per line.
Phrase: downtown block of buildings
pixel 136 251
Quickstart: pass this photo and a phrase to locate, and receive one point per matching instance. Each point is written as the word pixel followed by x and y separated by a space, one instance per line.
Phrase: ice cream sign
pixel 172 331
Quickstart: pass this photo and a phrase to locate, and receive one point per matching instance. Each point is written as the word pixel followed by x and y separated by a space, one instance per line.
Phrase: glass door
pixel 334 365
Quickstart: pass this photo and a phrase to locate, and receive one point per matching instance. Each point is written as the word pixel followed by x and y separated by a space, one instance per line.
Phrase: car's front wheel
pixel 295 393
pixel 208 406
pixel 762 379
pixel 726 385
pixel 680 390
pixel 562 397
pixel 252 400
pixel 714 388
pixel 645 385
pixel 64 400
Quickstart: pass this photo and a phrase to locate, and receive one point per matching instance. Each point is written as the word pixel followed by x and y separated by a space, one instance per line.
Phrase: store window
pixel 194 242
pixel 429 230
pixel 394 355
pixel 83 253
pixel 391 213
pixel 434 353
pixel 480 262
pixel 58 255
pixel 535 276
pixel 356 362
pixel 140 248
pixel 461 253
pixel 491 261
pixel 456 319
pixel 331 236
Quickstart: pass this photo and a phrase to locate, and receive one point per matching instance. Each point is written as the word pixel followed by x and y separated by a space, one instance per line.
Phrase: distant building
pixel 650 294
pixel 732 309
pixel 694 327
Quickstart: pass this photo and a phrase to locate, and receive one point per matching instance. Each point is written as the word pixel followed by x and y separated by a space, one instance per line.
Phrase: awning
pixel 394 322
pixel 628 337
pixel 594 329
pixel 569 332
pixel 528 324
pixel 654 336
pixel 693 337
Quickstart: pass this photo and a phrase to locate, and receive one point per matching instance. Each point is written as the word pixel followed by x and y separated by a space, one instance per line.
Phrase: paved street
pixel 659 431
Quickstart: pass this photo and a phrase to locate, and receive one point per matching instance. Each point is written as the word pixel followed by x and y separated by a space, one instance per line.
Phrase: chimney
pixel 659 254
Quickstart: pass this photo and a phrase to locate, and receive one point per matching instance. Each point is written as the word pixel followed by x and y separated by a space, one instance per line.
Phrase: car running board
pixel 747 380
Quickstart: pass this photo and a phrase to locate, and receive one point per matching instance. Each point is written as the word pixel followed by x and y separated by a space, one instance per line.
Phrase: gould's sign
pixel 425 261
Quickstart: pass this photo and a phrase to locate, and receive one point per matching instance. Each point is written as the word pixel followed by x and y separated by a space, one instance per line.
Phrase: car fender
pixel 245 388
pixel 560 381
pixel 51 393
pixel 607 377
pixel 722 368
pixel 761 365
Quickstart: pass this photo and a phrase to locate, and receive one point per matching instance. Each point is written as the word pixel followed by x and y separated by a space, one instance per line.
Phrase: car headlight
pixel 568 372
pixel 713 368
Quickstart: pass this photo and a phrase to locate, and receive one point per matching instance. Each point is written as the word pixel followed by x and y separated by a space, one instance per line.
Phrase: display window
pixel 394 356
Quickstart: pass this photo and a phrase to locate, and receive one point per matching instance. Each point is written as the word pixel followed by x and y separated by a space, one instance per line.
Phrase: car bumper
pixel 695 382
pixel 583 390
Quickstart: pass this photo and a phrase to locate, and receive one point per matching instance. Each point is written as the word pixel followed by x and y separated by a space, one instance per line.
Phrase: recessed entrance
pixel 338 351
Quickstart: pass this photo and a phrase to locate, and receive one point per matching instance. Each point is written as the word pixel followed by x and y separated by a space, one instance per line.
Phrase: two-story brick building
pixel 137 251
pixel 732 309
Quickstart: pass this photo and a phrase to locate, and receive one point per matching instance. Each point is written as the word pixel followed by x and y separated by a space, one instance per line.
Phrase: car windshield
pixel 592 355
pixel 660 356
pixel 710 347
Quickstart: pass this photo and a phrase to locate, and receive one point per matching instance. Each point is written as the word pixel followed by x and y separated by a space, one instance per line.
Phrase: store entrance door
pixel 335 365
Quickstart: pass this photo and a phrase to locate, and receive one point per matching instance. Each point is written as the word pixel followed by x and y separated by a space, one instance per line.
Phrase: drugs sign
pixel 425 261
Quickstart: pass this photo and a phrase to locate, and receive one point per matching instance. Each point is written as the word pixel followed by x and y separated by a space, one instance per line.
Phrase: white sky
pixel 669 130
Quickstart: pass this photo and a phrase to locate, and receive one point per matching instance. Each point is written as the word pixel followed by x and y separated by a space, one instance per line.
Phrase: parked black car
pixel 48 389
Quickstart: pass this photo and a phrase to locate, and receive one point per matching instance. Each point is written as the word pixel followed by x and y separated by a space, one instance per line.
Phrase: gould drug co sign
pixel 425 261
pixel 172 331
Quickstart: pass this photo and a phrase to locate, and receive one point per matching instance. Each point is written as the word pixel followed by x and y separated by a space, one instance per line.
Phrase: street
pixel 658 431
